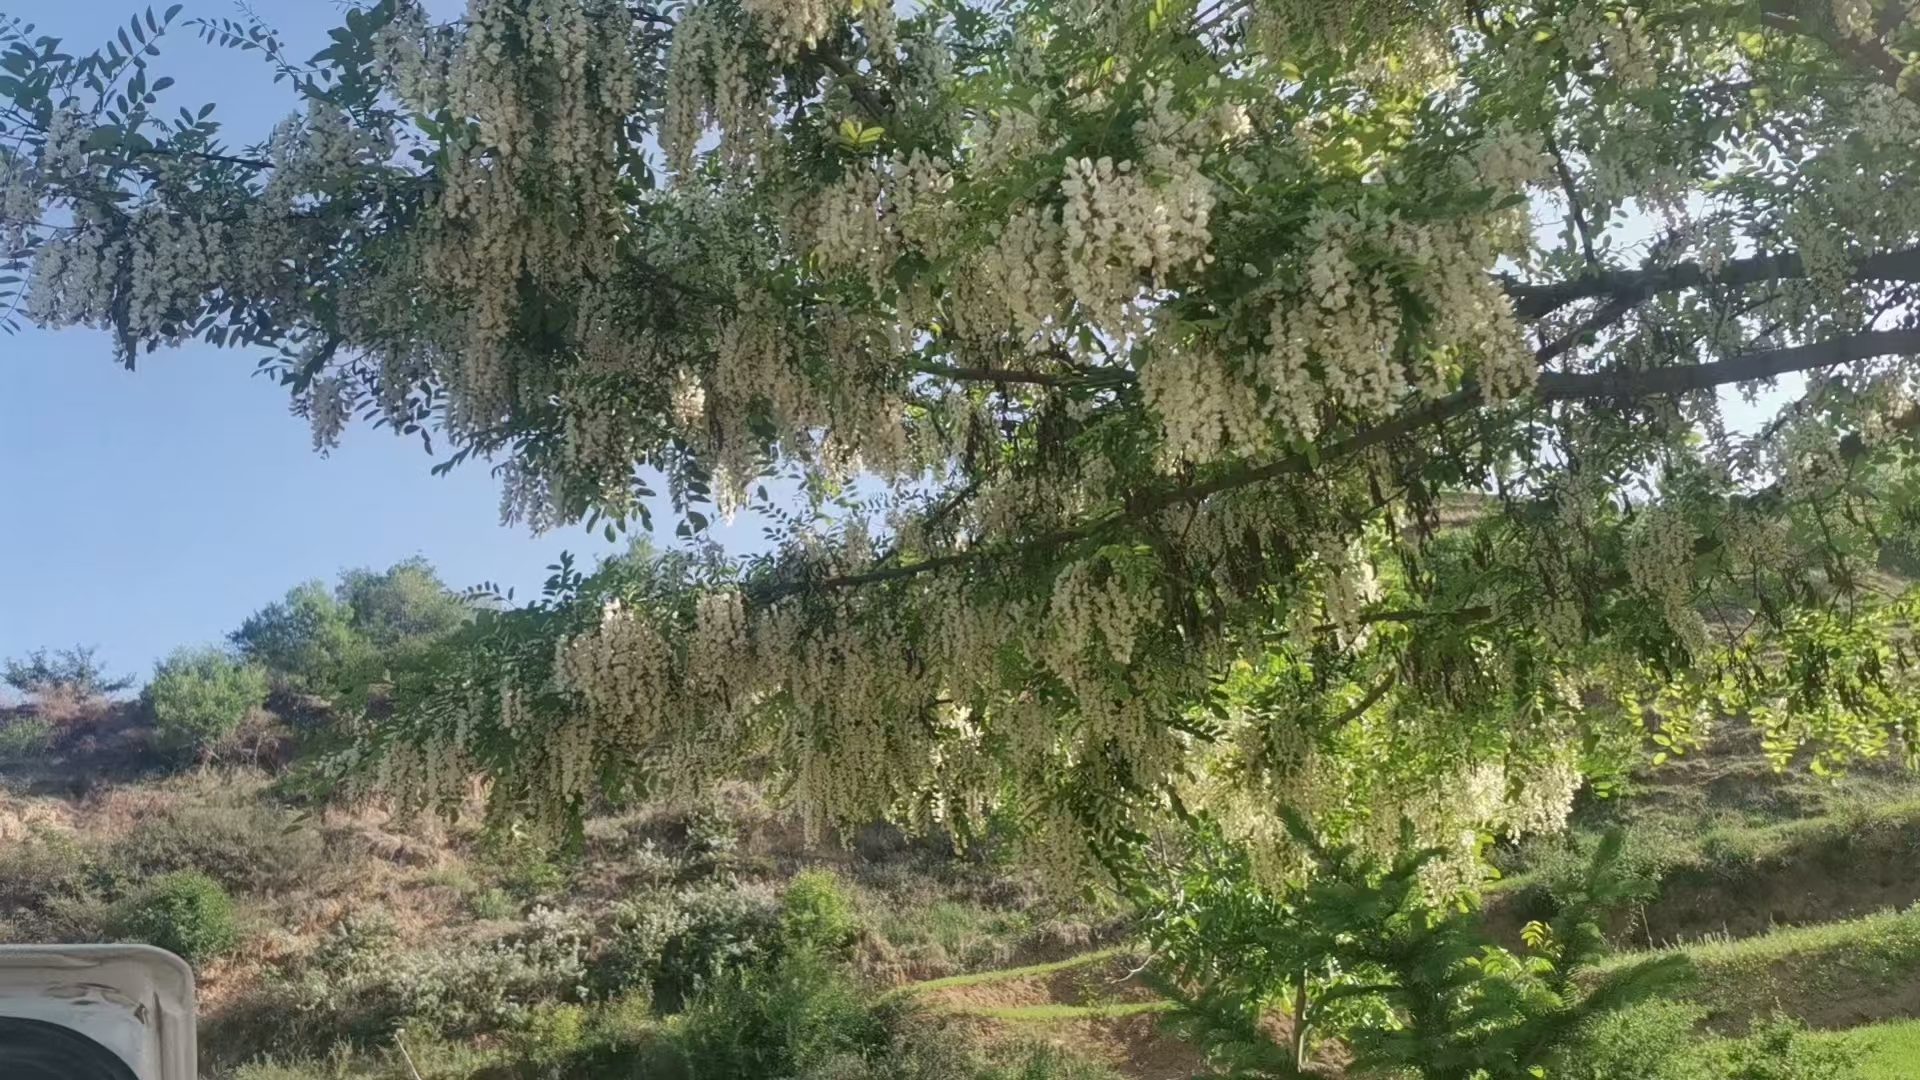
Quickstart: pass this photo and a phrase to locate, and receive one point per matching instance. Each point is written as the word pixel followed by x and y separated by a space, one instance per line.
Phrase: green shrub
pixel 1654 1040
pixel 25 738
pixel 49 890
pixel 1044 1061
pixel 672 946
pixel 796 1017
pixel 247 848
pixel 1662 1040
pixel 44 865
pixel 74 670
pixel 493 904
pixel 338 642
pixel 186 913
pixel 199 696
pixel 522 865
pixel 550 1033
pixel 1780 1049
pixel 816 913
pixel 357 989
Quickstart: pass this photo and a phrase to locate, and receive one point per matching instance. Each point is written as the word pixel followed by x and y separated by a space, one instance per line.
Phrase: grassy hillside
pixel 721 940
pixel 487 950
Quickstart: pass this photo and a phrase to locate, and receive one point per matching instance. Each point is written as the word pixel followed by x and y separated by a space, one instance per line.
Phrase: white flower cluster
pixel 1510 160
pixel 414 56
pixel 1014 281
pixel 64 151
pixel 793 25
pixel 75 276
pixel 536 193
pixel 1660 564
pixel 1205 408
pixel 1121 223
pixel 850 227
pixel 1853 18
pixel 1544 800
pixel 1339 340
pixel 625 671
pixel 707 89
pixel 19 202
pixel 718 645
pixel 1619 37
pixel 1082 612
pixel 1347 585
pixel 327 410
pixel 527 498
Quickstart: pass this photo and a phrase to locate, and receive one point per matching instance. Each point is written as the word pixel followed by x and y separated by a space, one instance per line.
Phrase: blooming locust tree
pixel 1190 402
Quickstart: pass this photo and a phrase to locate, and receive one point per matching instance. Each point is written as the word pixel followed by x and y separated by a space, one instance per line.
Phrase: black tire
pixel 37 1050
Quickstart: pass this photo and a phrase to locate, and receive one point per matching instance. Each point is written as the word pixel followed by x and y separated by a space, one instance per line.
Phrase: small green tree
pixel 1361 951
pixel 75 670
pixel 337 642
pixel 402 607
pixel 816 914
pixel 185 912
pixel 306 639
pixel 199 695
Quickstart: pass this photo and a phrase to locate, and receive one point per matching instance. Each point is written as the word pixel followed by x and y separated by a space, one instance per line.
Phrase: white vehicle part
pixel 135 1001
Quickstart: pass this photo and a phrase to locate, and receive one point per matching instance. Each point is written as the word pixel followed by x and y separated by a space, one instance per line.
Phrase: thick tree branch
pixel 203 155
pixel 1108 377
pixel 1871 53
pixel 1632 286
pixel 1368 701
pixel 1685 378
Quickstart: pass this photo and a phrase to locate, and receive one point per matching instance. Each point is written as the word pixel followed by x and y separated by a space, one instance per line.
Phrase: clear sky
pixel 140 511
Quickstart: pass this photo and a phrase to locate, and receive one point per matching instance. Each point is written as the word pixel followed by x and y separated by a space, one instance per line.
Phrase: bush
pixel 357 989
pixel 798 1017
pixel 48 890
pixel 337 642
pixel 247 848
pixel 1655 1040
pixel 816 913
pixel 25 738
pixel 1779 1049
pixel 74 670
pixel 199 696
pixel 186 913
pixel 1661 1040
pixel 672 946
pixel 550 1034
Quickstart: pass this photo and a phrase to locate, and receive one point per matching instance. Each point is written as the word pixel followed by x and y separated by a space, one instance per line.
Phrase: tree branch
pixel 1368 701
pixel 203 155
pixel 1869 52
pixel 1660 382
pixel 1632 286
pixel 1552 387
pixel 1108 377
pixel 1573 200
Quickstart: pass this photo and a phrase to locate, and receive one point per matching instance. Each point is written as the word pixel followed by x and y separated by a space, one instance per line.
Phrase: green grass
pixel 1822 974
pixel 955 932
pixel 1049 1014
pixel 1730 845
pixel 1004 974
pixel 1892 1050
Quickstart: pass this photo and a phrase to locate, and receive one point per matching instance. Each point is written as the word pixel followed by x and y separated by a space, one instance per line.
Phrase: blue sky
pixel 140 511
